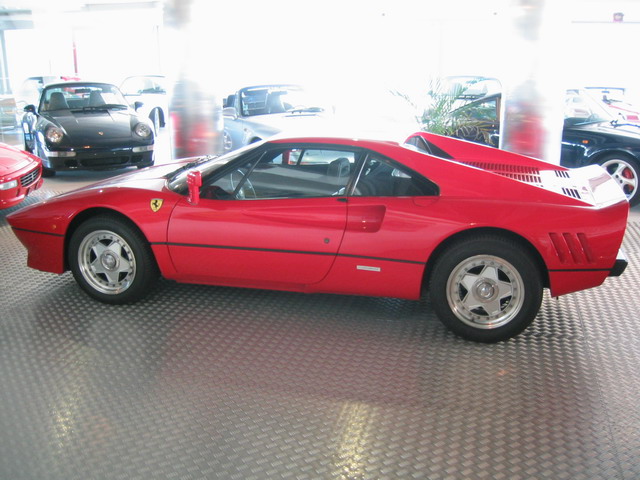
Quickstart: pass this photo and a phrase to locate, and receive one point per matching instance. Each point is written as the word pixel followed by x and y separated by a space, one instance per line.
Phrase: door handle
pixel 365 218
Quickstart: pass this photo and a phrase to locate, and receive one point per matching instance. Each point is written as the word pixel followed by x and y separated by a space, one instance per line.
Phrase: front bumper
pixel 620 265
pixel 27 182
pixel 99 158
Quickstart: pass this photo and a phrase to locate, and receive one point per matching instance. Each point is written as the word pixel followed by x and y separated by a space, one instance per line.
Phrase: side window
pixel 290 173
pixel 230 186
pixel 382 177
pixel 427 147
pixel 253 102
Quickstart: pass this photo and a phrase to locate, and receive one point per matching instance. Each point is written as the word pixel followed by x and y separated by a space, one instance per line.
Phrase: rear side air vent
pixel 572 247
pixel 562 174
pixel 516 172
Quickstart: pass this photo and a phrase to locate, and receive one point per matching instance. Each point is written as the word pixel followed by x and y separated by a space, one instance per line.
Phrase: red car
pixel 484 230
pixel 20 174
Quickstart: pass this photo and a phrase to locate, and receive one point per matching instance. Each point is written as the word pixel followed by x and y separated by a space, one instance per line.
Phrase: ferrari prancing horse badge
pixel 156 204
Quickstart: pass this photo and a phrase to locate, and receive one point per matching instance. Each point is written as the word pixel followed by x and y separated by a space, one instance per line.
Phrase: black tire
pixel 150 164
pixel 111 260
pixel 156 121
pixel 486 289
pixel 28 146
pixel 626 171
pixel 46 172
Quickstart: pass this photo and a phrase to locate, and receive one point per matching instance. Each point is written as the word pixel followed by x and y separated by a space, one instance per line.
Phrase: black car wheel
pixel 486 289
pixel 626 171
pixel 155 120
pixel 29 140
pixel 111 260
pixel 46 171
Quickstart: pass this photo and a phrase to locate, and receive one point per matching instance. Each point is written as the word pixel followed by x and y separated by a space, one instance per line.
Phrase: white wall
pixel 346 45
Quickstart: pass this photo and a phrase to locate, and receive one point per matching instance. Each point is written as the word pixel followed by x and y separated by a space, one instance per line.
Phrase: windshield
pixel 81 96
pixel 206 165
pixel 277 99
pixel 143 85
pixel 581 108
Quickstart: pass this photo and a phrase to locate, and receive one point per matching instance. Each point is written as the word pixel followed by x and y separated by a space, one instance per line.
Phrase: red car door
pixel 279 222
pixel 386 238
pixel 288 241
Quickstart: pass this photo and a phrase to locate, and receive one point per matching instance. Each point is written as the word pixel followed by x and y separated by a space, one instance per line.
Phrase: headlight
pixel 142 130
pixel 54 134
pixel 8 185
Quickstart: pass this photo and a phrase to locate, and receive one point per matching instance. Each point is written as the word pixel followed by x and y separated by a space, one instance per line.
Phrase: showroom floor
pixel 204 382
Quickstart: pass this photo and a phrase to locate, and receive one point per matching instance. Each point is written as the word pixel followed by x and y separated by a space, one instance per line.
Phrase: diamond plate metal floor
pixel 202 382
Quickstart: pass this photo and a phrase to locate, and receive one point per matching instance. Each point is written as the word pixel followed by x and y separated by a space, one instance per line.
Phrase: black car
pixel 87 126
pixel 589 136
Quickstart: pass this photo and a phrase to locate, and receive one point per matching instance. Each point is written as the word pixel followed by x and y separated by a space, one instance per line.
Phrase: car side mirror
pixel 137 105
pixel 30 109
pixel 230 112
pixel 194 182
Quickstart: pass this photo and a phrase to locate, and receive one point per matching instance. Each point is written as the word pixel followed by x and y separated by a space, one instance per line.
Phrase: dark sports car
pixel 482 229
pixel 590 136
pixel 86 125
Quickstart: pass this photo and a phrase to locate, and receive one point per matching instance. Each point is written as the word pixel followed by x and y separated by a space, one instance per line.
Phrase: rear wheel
pixel 111 260
pixel 486 289
pixel 626 171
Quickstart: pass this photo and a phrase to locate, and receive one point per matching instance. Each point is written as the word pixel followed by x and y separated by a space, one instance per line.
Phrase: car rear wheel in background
pixel 111 260
pixel 626 171
pixel 486 289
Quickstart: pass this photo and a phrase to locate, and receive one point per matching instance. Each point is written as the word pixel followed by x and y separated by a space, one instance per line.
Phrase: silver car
pixel 256 113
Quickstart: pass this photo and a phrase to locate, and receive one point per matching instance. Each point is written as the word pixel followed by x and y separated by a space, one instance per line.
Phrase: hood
pixel 627 131
pixel 296 119
pixel 147 178
pixel 94 125
pixel 12 159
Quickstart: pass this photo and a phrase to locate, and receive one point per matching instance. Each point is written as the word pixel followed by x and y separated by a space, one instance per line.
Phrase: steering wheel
pixel 242 189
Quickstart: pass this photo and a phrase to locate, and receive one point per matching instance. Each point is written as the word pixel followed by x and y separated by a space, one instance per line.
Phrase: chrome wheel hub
pixel 623 173
pixel 109 261
pixel 106 262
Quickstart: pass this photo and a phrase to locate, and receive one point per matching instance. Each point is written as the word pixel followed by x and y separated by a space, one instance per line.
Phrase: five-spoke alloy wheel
pixel 626 172
pixel 111 260
pixel 486 289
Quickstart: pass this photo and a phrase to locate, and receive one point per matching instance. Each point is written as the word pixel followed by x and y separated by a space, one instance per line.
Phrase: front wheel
pixel 155 120
pixel 486 289
pixel 47 172
pixel 626 171
pixel 111 260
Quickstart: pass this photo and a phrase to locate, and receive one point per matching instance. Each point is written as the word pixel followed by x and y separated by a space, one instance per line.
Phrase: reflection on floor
pixel 205 382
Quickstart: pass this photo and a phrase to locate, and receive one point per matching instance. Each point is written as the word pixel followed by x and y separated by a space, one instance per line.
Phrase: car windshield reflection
pixel 81 97
pixel 177 179
pixel 581 109
pixel 277 99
